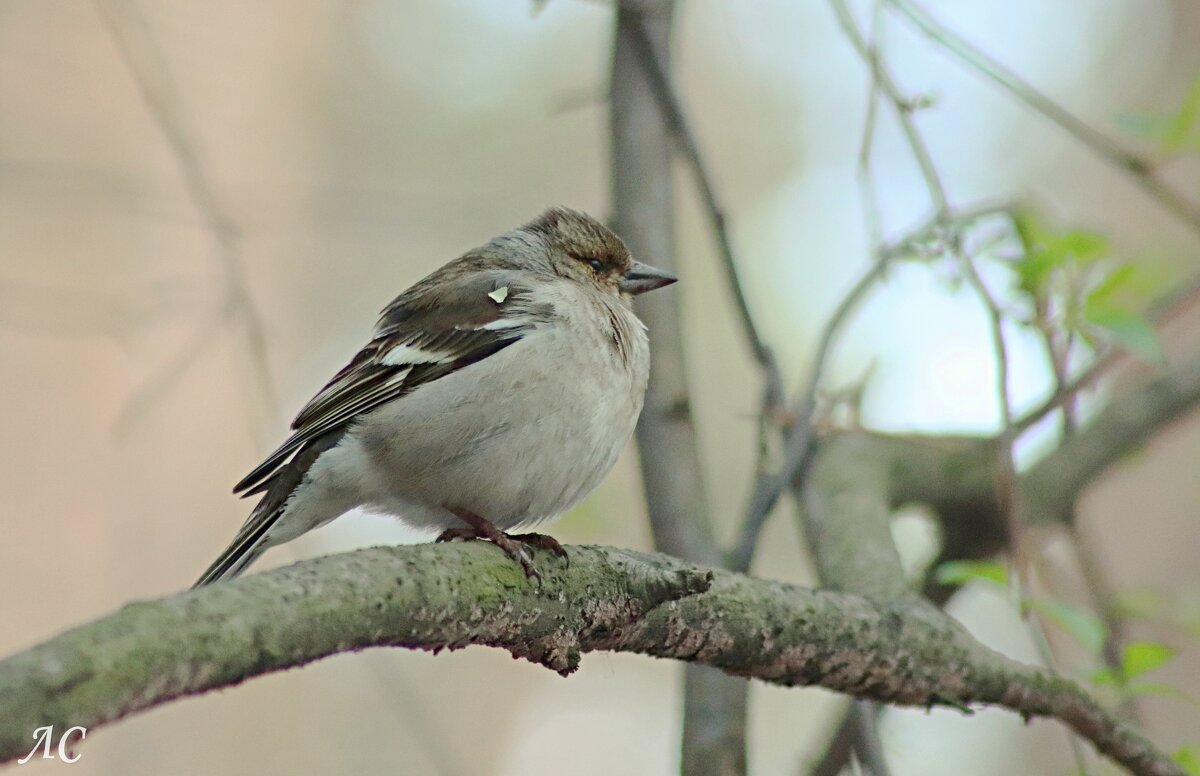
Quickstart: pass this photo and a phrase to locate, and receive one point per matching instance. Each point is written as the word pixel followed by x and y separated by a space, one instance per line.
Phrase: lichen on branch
pixel 450 596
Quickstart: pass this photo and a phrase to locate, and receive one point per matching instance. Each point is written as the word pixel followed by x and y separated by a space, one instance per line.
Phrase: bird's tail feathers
pixel 249 543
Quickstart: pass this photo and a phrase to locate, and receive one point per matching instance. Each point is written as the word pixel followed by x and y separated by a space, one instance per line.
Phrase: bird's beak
pixel 641 278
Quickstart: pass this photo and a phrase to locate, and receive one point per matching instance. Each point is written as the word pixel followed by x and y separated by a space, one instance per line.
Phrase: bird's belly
pixel 514 444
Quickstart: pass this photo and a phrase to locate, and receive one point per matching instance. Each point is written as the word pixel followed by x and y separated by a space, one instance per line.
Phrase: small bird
pixel 494 395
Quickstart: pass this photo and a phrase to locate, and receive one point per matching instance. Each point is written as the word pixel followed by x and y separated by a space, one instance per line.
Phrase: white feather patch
pixel 407 354
pixel 399 376
pixel 503 323
pixel 499 295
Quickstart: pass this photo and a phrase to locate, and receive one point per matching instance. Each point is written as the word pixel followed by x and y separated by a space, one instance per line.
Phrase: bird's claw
pixel 514 545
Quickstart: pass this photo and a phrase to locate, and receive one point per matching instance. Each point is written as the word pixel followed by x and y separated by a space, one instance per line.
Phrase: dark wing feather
pixel 438 326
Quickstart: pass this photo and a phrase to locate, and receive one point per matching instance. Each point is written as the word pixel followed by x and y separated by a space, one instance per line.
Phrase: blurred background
pixel 156 337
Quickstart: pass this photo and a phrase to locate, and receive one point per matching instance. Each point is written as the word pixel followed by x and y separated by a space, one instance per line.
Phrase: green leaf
pixel 1157 688
pixel 1046 252
pixel 1086 627
pixel 1129 331
pixel 1141 656
pixel 1188 758
pixel 1083 246
pixel 1180 129
pixel 1177 132
pixel 1106 307
pixel 958 572
pixel 1104 294
pixel 1106 677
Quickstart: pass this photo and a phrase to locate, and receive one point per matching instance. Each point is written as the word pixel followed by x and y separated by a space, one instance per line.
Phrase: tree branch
pixel 1053 486
pixel 714 707
pixel 147 66
pixel 1140 170
pixel 676 122
pixel 437 597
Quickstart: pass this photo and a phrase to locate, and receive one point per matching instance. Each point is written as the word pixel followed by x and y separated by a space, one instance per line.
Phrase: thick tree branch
pixel 954 476
pixel 1127 422
pixel 437 597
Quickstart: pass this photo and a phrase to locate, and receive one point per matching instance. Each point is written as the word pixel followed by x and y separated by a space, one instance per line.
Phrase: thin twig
pixel 1160 313
pixel 1104 601
pixel 869 747
pixel 1006 477
pixel 1140 170
pixel 866 145
pixel 860 727
pixel 797 447
pixel 147 67
pixel 676 122
pixel 1006 469
pixel 902 106
pixel 798 444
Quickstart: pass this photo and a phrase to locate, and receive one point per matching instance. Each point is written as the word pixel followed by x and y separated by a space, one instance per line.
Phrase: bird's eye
pixel 595 264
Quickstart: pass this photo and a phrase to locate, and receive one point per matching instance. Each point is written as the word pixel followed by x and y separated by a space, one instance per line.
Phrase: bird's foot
pixel 514 545
pixel 542 542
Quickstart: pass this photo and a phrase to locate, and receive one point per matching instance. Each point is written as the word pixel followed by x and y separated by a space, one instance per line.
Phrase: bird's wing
pixel 448 321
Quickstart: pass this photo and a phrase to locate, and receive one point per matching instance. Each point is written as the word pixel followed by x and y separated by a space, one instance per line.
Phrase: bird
pixel 493 395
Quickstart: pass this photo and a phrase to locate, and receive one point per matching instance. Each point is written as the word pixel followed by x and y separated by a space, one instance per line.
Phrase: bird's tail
pixel 277 488
pixel 249 543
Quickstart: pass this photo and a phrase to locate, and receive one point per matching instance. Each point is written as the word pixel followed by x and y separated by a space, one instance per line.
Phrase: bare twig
pixel 902 106
pixel 866 144
pixel 944 223
pixel 798 443
pixel 1006 478
pixel 1006 475
pixel 1007 492
pixel 869 747
pixel 1138 169
pixel 839 749
pixel 854 740
pixel 773 391
pixel 148 68
pixel 1104 601
pixel 676 121
pixel 802 433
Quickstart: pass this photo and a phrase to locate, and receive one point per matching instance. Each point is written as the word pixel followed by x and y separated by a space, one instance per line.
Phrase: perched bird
pixel 493 396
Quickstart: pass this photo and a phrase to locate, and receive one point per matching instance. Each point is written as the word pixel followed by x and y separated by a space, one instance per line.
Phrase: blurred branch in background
pixel 855 741
pixel 942 234
pixel 892 649
pixel 1141 170
pixel 656 70
pixel 948 241
pixel 714 722
pixel 147 66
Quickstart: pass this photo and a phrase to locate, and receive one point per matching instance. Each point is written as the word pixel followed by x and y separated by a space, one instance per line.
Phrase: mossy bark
pixel 450 596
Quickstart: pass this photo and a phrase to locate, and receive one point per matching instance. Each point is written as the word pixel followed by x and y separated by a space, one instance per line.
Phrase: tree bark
pixel 437 597
pixel 714 717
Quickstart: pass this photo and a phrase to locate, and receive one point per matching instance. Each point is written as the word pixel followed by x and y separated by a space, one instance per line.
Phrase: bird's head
pixel 585 250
